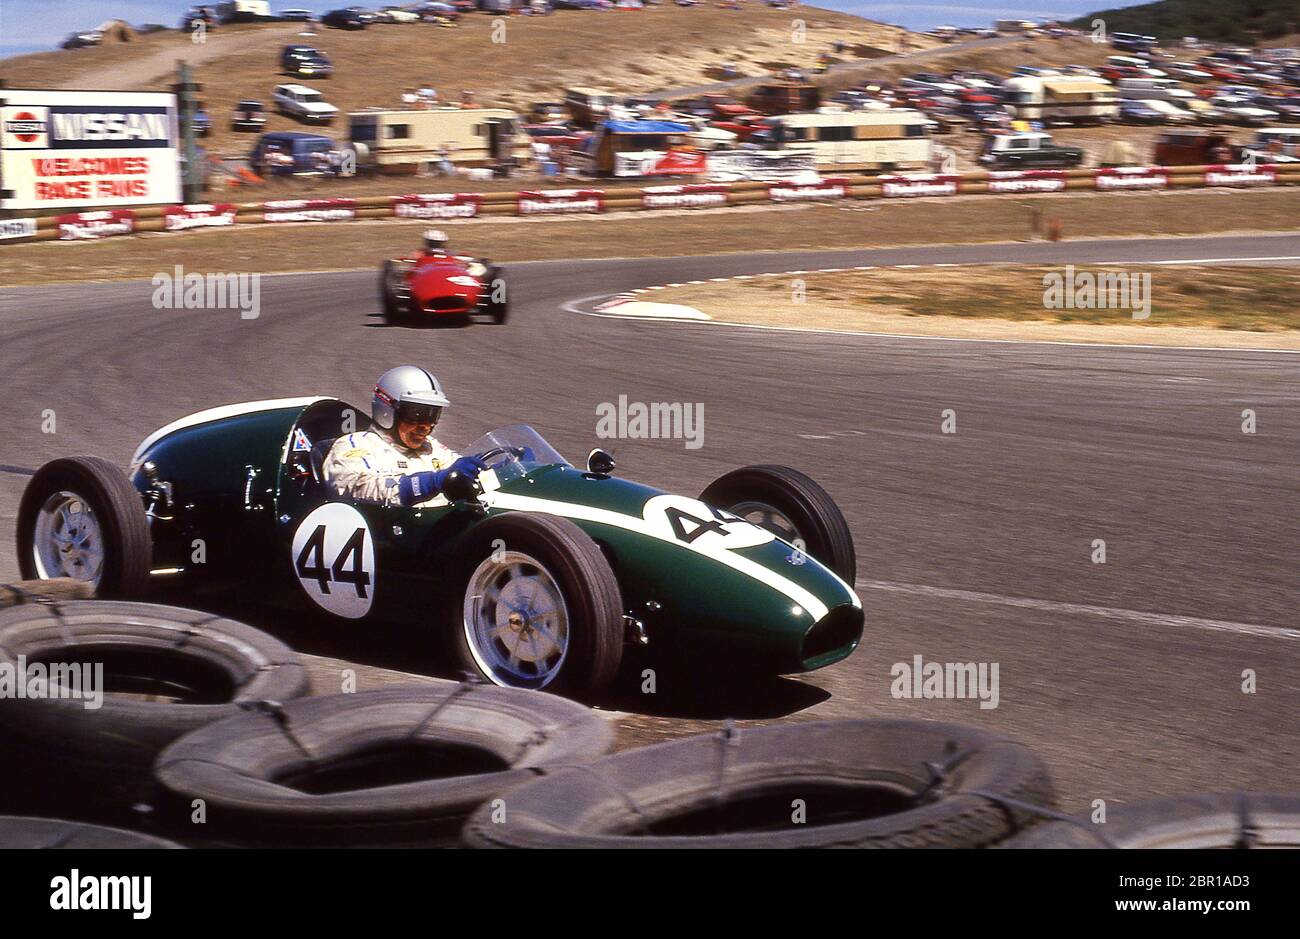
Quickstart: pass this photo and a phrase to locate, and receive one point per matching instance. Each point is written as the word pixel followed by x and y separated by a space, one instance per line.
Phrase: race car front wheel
pixel 791 506
pixel 540 606
pixel 80 517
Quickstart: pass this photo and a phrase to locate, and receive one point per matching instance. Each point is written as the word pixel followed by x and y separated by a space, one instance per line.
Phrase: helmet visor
pixel 410 412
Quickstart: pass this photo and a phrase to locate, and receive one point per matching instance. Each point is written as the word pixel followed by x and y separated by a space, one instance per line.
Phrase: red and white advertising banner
pixel 1241 174
pixel 437 205
pixel 681 163
pixel 1132 177
pixel 309 210
pixel 17 228
pixel 197 215
pixel 912 185
pixel 832 187
pixel 561 201
pixel 91 225
pixel 86 149
pixel 1027 181
pixel 704 195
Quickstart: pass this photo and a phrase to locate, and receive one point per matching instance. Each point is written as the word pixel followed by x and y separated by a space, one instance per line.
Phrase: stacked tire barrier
pixel 203 735
pixel 450 206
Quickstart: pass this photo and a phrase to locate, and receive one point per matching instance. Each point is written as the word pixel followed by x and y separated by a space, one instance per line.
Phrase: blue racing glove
pixel 422 486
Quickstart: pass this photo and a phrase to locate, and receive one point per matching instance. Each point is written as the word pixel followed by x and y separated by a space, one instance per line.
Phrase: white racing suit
pixel 368 466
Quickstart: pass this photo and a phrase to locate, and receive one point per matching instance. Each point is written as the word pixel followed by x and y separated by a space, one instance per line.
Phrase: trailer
pixel 401 141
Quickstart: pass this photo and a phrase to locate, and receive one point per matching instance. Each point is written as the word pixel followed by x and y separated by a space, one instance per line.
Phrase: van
pixel 885 140
pixel 285 153
pixel 589 106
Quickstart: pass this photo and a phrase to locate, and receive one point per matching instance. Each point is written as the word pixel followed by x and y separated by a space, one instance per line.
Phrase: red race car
pixel 436 283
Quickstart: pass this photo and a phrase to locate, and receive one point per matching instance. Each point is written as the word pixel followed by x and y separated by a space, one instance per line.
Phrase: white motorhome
pixel 898 138
pixel 243 11
pixel 409 141
pixel 1060 99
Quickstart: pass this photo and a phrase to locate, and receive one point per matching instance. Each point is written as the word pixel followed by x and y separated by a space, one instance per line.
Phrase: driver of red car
pixel 398 461
pixel 435 243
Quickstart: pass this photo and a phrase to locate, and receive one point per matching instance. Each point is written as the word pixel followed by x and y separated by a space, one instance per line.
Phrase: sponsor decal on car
pixel 829 188
pixel 197 215
pixel 17 228
pixel 438 205
pixel 89 225
pixel 1027 181
pixel 1133 177
pixel 919 184
pixel 561 201
pixel 1241 174
pixel 672 197
pixel 309 210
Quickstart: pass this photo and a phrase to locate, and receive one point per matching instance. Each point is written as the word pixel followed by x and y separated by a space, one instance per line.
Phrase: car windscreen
pixel 523 449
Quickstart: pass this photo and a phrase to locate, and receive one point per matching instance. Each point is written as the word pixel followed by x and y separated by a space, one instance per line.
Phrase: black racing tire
pixel 586 583
pixel 1221 820
pixel 815 516
pixel 399 767
pixel 393 311
pixel 21 832
pixel 499 312
pixel 117 507
pixel 97 762
pixel 863 783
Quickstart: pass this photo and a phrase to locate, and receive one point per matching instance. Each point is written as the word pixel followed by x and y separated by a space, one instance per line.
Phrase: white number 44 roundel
pixel 334 558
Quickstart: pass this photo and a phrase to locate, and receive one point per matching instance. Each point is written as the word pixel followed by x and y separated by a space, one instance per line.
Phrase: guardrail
pixel 450 206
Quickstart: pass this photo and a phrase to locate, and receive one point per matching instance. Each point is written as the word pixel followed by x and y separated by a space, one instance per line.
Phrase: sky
pixel 40 25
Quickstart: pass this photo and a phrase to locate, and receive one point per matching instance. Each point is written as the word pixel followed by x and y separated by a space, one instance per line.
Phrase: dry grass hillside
pixel 531 59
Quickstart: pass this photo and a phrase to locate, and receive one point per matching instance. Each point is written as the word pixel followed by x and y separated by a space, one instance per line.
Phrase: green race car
pixel 538 574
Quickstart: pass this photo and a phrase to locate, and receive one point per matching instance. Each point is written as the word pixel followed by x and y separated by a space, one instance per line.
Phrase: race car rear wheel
pixel 540 606
pixel 392 308
pixel 80 517
pixel 791 506
pixel 499 310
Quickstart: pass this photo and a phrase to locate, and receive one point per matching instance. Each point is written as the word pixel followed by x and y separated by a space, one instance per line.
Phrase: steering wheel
pixel 519 453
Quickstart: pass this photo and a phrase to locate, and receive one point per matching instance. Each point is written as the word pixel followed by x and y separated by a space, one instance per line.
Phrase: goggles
pixel 412 413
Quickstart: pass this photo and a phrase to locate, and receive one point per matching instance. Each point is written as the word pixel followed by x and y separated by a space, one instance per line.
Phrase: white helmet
pixel 435 239
pixel 410 391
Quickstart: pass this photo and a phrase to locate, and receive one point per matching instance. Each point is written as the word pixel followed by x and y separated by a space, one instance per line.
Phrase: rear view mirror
pixel 601 462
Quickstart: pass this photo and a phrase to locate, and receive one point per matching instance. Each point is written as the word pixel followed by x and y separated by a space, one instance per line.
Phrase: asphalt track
pixel 974 546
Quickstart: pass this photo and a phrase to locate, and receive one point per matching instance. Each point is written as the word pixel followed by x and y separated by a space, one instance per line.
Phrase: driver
pixel 436 243
pixel 397 461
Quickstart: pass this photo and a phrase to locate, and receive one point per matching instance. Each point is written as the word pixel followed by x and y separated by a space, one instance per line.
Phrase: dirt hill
pixel 509 61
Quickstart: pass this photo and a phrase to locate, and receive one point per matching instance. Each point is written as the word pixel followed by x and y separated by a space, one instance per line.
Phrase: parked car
pixel 84 40
pixel 1288 109
pixel 248 115
pixel 1275 145
pixel 1139 112
pixel 548 112
pixel 398 15
pixel 1188 72
pixel 1173 114
pixel 285 153
pixel 298 16
pixel 306 104
pixel 1028 151
pixel 202 121
pixel 305 62
pixel 343 19
pixel 1240 111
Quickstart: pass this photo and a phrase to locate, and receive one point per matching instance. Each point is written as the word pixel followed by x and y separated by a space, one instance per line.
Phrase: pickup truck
pixel 1027 151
